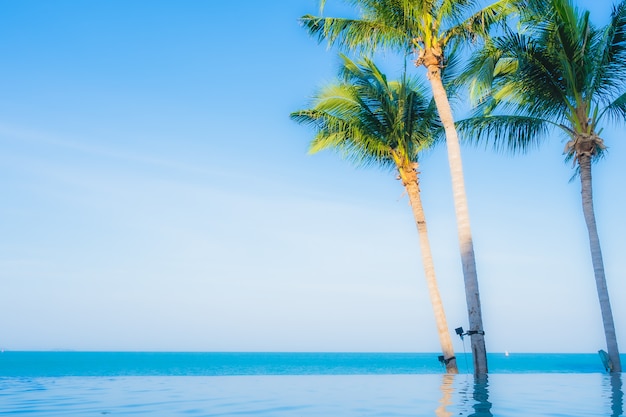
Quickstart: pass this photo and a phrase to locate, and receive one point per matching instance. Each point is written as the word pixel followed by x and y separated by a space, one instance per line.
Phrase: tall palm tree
pixel 560 72
pixel 375 121
pixel 433 29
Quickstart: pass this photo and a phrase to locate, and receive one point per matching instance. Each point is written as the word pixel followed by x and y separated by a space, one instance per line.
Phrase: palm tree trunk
pixel 412 189
pixel 584 162
pixel 472 294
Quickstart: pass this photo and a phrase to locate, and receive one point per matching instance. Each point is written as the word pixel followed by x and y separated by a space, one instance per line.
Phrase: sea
pixel 303 384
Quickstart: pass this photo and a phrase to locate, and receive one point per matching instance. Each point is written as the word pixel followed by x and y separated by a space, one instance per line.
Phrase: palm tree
pixel 375 121
pixel 559 72
pixel 433 29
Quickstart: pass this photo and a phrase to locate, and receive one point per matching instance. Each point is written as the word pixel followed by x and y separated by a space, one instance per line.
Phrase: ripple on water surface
pixel 509 395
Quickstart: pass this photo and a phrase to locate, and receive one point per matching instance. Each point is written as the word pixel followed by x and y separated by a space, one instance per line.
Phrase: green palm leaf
pixel 370 120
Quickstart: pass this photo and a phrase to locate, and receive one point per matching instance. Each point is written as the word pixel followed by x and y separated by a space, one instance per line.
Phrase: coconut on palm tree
pixel 432 29
pixel 559 73
pixel 372 120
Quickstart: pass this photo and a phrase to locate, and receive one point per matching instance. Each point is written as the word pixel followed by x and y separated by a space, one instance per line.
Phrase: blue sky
pixel 156 196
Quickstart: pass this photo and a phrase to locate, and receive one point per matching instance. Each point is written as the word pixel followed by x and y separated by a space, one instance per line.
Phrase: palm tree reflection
pixel 480 396
pixel 482 406
pixel 617 395
pixel 473 400
pixel 446 390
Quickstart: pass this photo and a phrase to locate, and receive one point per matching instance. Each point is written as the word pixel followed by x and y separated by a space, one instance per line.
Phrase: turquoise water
pixel 301 384
pixel 35 364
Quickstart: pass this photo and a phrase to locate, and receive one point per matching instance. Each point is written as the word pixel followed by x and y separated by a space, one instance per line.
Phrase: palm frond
pixel 520 76
pixel 610 57
pixel 616 110
pixel 355 34
pixel 514 134
pixel 345 138
pixel 453 11
pixel 479 72
pixel 480 24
